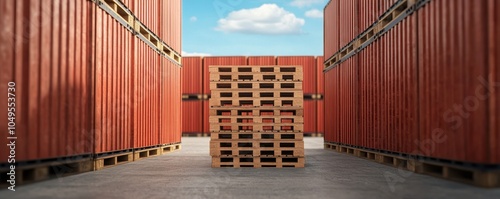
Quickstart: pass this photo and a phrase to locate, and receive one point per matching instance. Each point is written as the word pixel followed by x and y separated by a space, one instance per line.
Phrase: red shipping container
pixel 331 28
pixel 286 120
pixel 348 25
pixel 320 91
pixel 191 118
pixel 192 75
pixel 261 61
pixel 494 61
pixel 310 112
pixel 52 92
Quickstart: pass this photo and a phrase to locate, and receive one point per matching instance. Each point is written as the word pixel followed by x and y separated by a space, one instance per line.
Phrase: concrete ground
pixel 187 174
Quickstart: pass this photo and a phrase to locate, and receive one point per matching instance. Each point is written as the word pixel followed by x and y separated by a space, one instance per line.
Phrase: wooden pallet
pixel 113 160
pixel 256 76
pixel 258 162
pixel 256 102
pixel 146 153
pixel 252 85
pixel 253 127
pixel 256 111
pixel 168 148
pixel 256 119
pixel 269 144
pixel 255 69
pixel 256 136
pixel 36 172
pixel 258 93
pixel 448 171
pixel 257 152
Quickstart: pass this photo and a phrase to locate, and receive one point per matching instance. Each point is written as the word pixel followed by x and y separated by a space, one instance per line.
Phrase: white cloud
pixel 266 19
pixel 314 13
pixel 195 54
pixel 193 19
pixel 305 3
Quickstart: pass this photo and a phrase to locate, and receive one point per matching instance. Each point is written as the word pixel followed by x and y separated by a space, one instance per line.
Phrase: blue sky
pixel 252 27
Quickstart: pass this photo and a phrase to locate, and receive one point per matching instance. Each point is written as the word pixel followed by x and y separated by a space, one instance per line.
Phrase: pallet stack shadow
pixel 256 116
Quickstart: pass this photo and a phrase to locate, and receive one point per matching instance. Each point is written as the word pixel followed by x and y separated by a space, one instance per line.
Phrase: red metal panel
pixel 320 84
pixel 448 83
pixel 192 75
pixel 35 42
pixel 261 60
pixel 331 28
pixel 112 94
pixel 368 13
pixel 206 117
pixel 8 47
pixel 494 59
pixel 320 90
pixel 191 118
pixel 332 105
pixel 308 64
pixel 170 23
pixel 310 112
pixel 348 110
pixel 348 25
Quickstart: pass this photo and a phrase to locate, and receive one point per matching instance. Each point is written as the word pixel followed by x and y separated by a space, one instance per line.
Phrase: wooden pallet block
pixel 256 111
pixel 255 76
pixel 256 102
pixel 170 148
pixel 146 153
pixel 258 162
pixel 257 93
pixel 256 119
pixel 113 160
pixel 256 136
pixel 36 172
pixel 251 85
pixel 255 69
pixel 242 127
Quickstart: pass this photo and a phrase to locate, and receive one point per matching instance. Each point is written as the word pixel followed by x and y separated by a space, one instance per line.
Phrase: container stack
pixel 256 116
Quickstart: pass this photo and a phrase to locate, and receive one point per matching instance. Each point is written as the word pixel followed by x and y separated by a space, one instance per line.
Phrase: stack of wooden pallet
pixel 256 116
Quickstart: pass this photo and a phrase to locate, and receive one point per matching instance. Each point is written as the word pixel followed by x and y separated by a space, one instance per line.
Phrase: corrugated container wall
pixel 163 17
pixel 494 77
pixel 44 51
pixel 261 60
pixel 348 25
pixel 331 28
pixel 113 88
pixel 192 75
pixel 320 90
pixel 192 84
pixel 82 81
pixel 426 81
